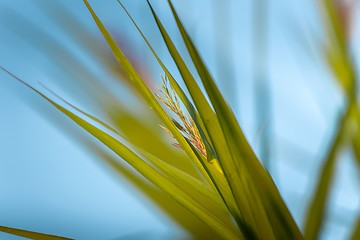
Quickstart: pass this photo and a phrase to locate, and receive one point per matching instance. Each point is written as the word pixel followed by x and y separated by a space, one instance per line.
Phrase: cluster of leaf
pixel 337 54
pixel 226 193
pixel 229 190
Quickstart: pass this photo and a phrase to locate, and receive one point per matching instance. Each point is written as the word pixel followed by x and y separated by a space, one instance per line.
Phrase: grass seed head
pixel 185 123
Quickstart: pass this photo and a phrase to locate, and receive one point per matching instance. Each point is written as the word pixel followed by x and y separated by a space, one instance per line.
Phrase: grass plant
pixel 219 179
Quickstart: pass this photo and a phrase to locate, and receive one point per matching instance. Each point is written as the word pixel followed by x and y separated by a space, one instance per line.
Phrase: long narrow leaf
pixel 166 168
pixel 186 219
pixel 356 148
pixel 206 113
pixel 146 93
pixel 149 172
pixel 237 141
pixel 187 103
pixel 170 171
pixel 356 232
pixel 30 234
pixel 316 212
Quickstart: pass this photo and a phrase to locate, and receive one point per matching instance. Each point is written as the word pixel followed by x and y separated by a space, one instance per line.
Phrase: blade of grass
pixel 338 53
pixel 146 136
pixel 187 103
pixel 339 59
pixel 199 191
pixel 30 234
pixel 146 93
pixel 356 138
pixel 316 211
pixel 186 219
pixel 169 170
pixel 206 113
pixel 145 169
pixel 356 147
pixel 356 232
pixel 185 179
pixel 180 178
pixel 236 138
pixel 153 176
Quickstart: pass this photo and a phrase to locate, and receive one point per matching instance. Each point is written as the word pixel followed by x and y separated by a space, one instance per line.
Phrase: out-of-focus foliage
pixel 337 16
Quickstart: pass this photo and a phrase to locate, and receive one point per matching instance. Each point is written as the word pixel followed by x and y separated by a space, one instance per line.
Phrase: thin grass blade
pixel 146 93
pixel 152 175
pixel 237 141
pixel 187 103
pixel 149 172
pixel 356 147
pixel 316 212
pixel 356 232
pixel 30 234
pixel 186 219
pixel 206 113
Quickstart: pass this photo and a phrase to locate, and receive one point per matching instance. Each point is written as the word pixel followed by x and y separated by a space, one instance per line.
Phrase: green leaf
pixel 356 138
pixel 152 175
pixel 146 93
pixel 29 234
pixel 185 100
pixel 338 53
pixel 171 172
pixel 356 232
pixel 356 147
pixel 206 114
pixel 181 178
pixel 148 171
pixel 245 157
pixel 174 175
pixel 146 137
pixel 186 219
pixel 316 212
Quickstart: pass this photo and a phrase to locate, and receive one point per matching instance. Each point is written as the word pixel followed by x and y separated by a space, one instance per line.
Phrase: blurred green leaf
pixel 221 225
pixel 316 211
pixel 151 174
pixel 185 100
pixel 356 147
pixel 338 57
pixel 356 138
pixel 29 234
pixel 185 218
pixel 146 93
pixel 174 175
pixel 356 232
pixel 338 54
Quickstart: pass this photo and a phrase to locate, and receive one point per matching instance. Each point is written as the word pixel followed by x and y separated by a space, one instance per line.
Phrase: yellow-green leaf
pixel 146 93
pixel 242 152
pixel 30 234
